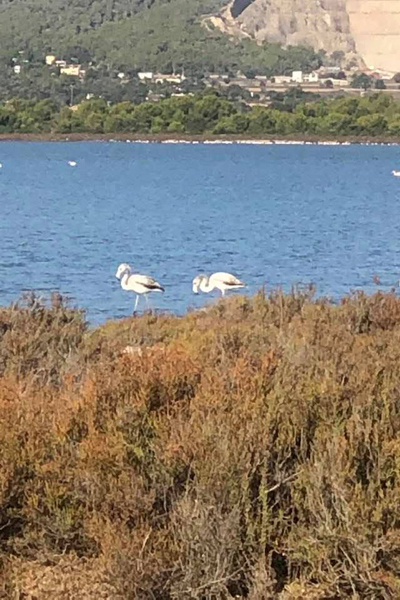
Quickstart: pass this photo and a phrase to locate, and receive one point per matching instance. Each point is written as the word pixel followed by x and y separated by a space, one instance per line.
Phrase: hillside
pixel 268 36
pixel 135 34
pixel 37 26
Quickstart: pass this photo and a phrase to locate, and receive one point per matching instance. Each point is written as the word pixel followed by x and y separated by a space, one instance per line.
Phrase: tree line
pixel 208 113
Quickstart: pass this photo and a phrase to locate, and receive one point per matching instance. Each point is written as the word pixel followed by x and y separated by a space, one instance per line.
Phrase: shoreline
pixel 198 139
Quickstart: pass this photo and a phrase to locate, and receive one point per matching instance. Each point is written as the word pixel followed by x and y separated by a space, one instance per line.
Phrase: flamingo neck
pixel 205 285
pixel 124 278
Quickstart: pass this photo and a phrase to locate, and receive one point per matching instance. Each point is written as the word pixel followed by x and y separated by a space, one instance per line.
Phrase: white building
pixel 145 75
pixel 168 78
pixel 72 70
pixel 50 59
pixel 312 77
pixel 279 79
pixel 297 76
pixel 17 69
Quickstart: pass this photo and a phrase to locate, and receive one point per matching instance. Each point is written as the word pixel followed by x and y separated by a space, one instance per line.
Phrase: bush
pixel 248 450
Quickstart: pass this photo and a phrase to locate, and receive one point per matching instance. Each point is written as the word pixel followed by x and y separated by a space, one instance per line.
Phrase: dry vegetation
pixel 251 450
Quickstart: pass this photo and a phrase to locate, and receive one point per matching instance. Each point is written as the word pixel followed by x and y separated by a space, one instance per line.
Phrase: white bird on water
pixel 72 163
pixel 221 281
pixel 396 173
pixel 134 282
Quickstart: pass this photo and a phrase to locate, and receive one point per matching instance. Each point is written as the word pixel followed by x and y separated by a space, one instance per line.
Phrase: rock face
pixel 375 27
pixel 367 31
pixel 318 23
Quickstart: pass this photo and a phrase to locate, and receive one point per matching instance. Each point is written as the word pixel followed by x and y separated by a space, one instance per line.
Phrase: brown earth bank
pixel 159 138
pixel 249 450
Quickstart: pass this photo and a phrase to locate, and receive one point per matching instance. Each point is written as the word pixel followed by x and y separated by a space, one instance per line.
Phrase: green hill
pixel 37 26
pixel 124 35
pixel 136 34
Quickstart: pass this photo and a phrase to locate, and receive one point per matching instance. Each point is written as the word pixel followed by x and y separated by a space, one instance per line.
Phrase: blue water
pixel 273 215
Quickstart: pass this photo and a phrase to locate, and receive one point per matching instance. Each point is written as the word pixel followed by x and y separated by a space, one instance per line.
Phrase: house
pixel 385 74
pixel 17 69
pixel 72 71
pixel 60 63
pixel 145 75
pixel 247 83
pixel 217 77
pixel 340 83
pixel 325 72
pixel 253 89
pixel 168 78
pixel 281 79
pixel 311 77
pixel 50 59
pixel 121 75
pixel 297 76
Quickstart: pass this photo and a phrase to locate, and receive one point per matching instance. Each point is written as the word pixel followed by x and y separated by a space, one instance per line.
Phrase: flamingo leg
pixel 136 303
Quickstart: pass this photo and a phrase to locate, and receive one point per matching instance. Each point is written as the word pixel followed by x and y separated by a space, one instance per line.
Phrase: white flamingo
pixel 221 281
pixel 134 282
pixel 396 173
pixel 72 163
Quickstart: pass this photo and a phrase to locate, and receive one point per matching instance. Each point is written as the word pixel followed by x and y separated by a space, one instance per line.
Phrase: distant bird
pixel 396 173
pixel 134 282
pixel 72 163
pixel 221 281
pixel 1 166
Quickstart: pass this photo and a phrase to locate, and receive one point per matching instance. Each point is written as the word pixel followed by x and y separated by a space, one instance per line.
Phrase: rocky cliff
pixel 367 31
pixel 375 27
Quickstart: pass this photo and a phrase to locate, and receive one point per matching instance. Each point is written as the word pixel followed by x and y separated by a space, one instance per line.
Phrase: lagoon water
pixel 275 215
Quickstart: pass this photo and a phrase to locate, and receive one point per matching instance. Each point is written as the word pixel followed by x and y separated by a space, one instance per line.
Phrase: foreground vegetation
pixel 209 113
pixel 250 450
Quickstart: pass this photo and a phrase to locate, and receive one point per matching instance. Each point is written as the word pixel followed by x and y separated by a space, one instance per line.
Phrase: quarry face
pixel 367 31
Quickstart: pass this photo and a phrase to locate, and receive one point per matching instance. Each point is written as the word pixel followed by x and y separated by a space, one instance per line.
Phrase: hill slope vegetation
pixel 135 34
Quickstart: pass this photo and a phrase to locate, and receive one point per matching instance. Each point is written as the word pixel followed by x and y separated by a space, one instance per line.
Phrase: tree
pixel 335 124
pixel 262 120
pixel 380 84
pixel 337 57
pixel 374 124
pixel 233 124
pixel 394 126
pixel 361 81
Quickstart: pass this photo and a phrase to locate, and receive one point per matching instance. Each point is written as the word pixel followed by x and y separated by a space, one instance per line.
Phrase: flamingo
pixel 396 173
pixel 134 282
pixel 221 281
pixel 72 163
